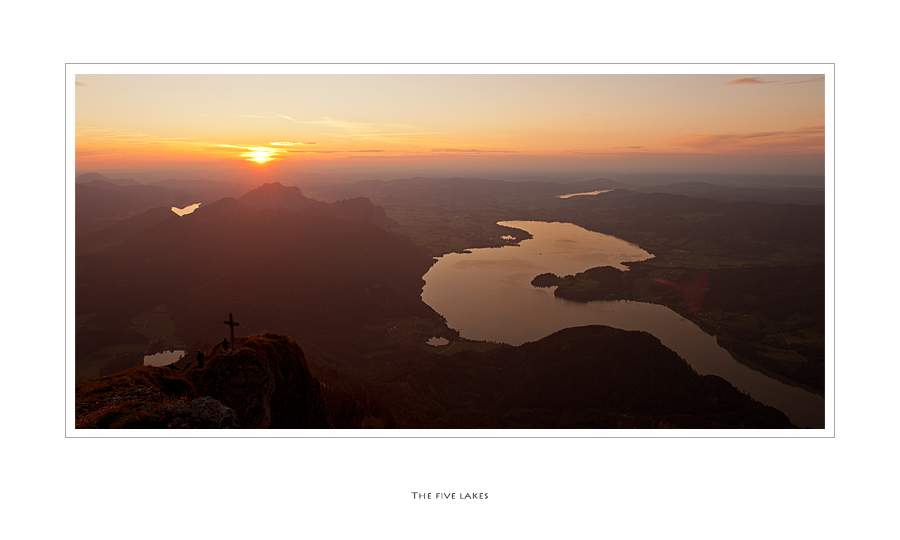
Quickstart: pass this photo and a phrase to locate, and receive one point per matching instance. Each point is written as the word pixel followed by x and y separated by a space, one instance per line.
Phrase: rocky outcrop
pixel 203 412
pixel 243 379
pixel 266 380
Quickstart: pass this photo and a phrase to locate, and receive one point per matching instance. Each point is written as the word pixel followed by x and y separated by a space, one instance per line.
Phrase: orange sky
pixel 705 123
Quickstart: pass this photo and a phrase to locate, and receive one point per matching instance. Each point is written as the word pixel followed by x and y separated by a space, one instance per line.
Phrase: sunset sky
pixel 434 124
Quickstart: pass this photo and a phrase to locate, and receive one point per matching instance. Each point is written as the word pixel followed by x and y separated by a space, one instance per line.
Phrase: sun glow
pixel 402 122
pixel 260 154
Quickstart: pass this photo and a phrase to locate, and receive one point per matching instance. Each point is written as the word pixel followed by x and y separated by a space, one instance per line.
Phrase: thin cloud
pixel 81 84
pixel 124 135
pixel 334 151
pixel 288 118
pixel 803 139
pixel 817 79
pixel 363 128
pixel 254 148
pixel 286 143
pixel 250 116
pixel 750 80
pixel 614 151
pixel 471 151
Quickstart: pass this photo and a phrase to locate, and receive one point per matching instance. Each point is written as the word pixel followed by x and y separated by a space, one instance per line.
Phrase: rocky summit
pixel 263 382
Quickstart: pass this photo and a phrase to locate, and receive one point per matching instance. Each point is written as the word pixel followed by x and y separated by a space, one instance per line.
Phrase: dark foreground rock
pixel 203 412
pixel 266 381
pixel 263 383
pixel 587 377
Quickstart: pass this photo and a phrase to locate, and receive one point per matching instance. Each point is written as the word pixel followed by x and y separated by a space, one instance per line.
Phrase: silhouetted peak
pixel 97 177
pixel 90 177
pixel 274 187
pixel 276 195
pixel 356 203
pixel 99 184
pixel 228 205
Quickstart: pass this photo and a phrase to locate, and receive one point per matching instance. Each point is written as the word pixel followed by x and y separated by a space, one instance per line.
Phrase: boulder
pixel 203 412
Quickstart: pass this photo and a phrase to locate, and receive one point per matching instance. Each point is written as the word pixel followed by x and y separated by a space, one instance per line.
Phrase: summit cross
pixel 230 322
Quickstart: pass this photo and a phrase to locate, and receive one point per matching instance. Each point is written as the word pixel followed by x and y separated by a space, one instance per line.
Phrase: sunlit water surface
pixel 186 210
pixel 583 193
pixel 487 295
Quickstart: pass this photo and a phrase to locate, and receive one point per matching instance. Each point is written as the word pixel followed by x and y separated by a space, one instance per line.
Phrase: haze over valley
pixel 674 283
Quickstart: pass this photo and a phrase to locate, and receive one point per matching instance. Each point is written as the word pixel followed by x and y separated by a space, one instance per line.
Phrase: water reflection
pixel 584 193
pixel 163 358
pixel 487 295
pixel 186 210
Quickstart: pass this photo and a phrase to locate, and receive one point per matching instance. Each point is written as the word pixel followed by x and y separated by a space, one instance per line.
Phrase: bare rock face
pixel 203 412
pixel 266 381
pixel 263 383
pixel 244 381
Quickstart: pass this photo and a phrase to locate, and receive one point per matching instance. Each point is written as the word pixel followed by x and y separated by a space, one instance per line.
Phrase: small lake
pixel 584 193
pixel 163 358
pixel 487 295
pixel 186 210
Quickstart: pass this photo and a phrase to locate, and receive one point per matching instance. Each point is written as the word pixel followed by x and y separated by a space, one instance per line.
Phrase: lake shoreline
pixel 717 331
pixel 484 294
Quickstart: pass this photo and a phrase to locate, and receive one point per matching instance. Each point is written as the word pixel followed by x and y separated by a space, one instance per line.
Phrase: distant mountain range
pixel 763 181
pixel 476 189
pixel 97 177
pixel 797 190
pixel 796 195
pixel 333 274
pixel 100 202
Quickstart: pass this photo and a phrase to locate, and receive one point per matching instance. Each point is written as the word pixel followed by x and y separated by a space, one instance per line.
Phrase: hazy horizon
pixel 157 127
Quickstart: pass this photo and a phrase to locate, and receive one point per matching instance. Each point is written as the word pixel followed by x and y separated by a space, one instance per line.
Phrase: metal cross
pixel 230 322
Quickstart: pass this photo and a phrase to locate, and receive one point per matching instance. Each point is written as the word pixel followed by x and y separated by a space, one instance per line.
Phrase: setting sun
pixel 403 124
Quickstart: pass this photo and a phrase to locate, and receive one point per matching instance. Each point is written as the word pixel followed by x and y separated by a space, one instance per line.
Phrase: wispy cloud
pixel 470 151
pixel 123 135
pixel 357 128
pixel 347 125
pixel 288 118
pixel 286 143
pixel 817 79
pixel 251 116
pixel 334 151
pixel 750 80
pixel 802 139
pixel 80 84
pixel 614 151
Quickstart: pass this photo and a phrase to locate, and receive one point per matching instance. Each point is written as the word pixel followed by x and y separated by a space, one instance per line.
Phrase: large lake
pixel 486 294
